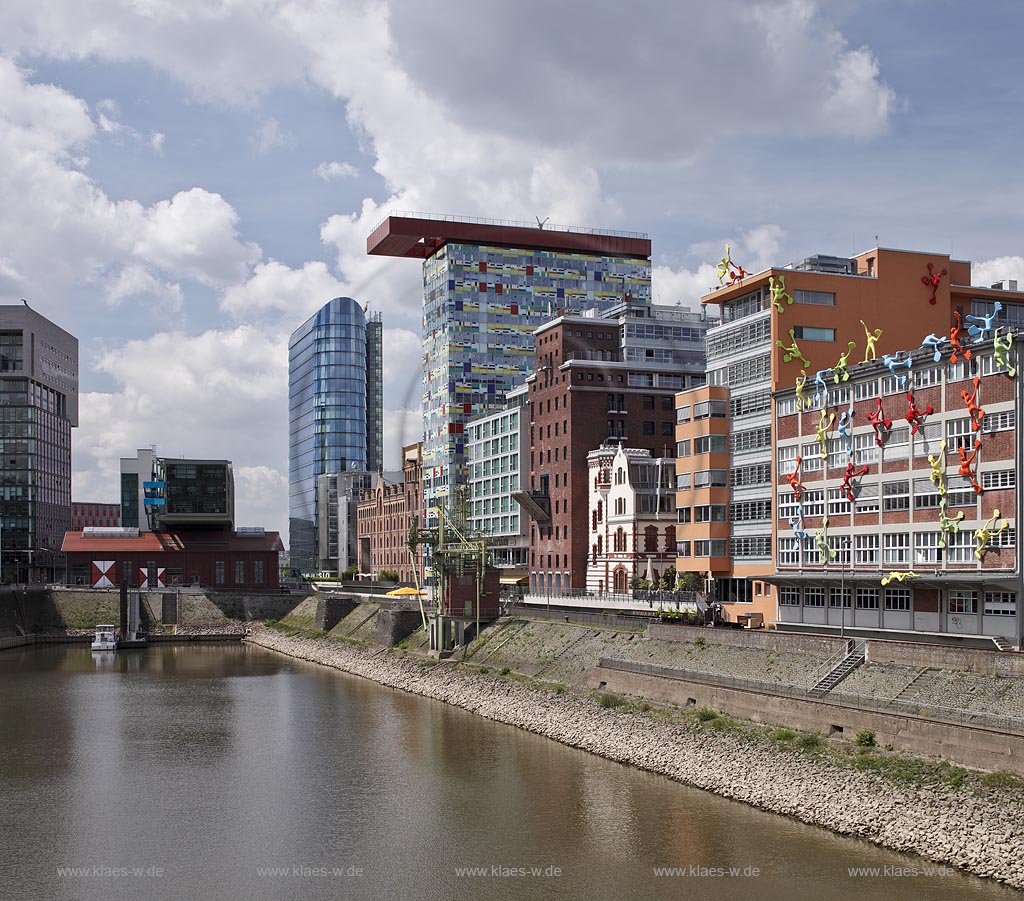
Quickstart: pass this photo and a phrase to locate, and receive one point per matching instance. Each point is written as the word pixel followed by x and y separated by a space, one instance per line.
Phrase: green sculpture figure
pixel 938 464
pixel 872 339
pixel 899 577
pixel 792 351
pixel 1002 348
pixel 987 532
pixel 821 432
pixel 947 524
pixel 825 553
pixel 778 289
pixel 839 370
pixel 724 266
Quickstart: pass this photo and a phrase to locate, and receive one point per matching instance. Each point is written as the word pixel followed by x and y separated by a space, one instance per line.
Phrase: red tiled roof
pixel 170 542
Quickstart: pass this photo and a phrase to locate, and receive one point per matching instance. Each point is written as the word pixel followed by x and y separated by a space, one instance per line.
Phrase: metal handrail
pixel 476 220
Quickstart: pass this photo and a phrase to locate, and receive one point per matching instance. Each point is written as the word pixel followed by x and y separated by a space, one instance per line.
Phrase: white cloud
pixel 989 272
pixel 156 142
pixel 269 135
pixel 261 493
pixel 135 281
pixel 328 171
pixel 274 287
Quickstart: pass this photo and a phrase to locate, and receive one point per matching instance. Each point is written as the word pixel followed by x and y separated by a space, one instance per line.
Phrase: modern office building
pixel 632 519
pixel 86 515
pixel 592 386
pixel 905 524
pixel 162 493
pixel 334 411
pixel 780 327
pixel 487 285
pixel 386 514
pixel 38 409
pixel 338 496
pixel 498 450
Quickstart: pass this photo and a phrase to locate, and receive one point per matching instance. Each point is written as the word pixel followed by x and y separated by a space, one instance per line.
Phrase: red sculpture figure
pixel 954 339
pixel 932 279
pixel 794 479
pixel 850 474
pixel 914 415
pixel 977 414
pixel 738 274
pixel 965 465
pixel 878 419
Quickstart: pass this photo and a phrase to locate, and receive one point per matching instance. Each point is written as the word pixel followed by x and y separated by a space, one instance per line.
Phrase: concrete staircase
pixel 853 659
pixel 1002 643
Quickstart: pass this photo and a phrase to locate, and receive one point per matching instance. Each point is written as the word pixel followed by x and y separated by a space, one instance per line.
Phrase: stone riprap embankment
pixel 982 836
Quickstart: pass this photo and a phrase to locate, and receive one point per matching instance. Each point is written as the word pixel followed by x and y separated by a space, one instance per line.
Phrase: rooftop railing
pixel 511 223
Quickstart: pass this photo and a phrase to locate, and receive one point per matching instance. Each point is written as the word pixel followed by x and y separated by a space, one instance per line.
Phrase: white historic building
pixel 632 517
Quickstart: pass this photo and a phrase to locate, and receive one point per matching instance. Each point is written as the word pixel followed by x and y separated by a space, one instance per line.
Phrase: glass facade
pixel 334 402
pixel 481 305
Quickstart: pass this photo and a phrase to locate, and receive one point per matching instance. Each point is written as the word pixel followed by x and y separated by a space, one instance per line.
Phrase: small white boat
pixel 106 638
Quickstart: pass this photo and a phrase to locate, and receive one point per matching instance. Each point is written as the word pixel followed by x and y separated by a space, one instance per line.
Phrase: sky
pixel 183 184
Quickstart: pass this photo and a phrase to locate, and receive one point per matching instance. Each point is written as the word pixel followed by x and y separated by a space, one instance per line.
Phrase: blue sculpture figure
pixel 935 341
pixel 846 429
pixel 980 332
pixel 821 386
pixel 797 522
pixel 894 363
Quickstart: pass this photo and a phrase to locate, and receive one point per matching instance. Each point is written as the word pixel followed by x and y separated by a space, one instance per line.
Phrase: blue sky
pixel 159 171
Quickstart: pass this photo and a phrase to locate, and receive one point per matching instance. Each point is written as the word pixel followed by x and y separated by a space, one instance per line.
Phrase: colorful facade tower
pixel 334 411
pixel 486 286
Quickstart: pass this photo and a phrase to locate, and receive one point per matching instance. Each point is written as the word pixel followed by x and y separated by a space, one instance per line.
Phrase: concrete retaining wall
pixel 332 610
pixel 394 625
pixel 975 660
pixel 822 646
pixel 966 746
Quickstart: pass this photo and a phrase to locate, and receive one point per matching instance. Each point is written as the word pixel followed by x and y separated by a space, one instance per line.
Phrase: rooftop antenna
pixel 540 224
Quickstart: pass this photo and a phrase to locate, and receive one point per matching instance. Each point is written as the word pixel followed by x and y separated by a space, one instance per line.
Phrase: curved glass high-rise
pixel 334 411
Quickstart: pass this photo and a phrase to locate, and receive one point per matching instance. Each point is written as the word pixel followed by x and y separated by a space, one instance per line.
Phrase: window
pixel 924 378
pixel 683 414
pixel 648 428
pixel 896 549
pixel 814 597
pixel 710 444
pixel 965 602
pixel 789 597
pixel 867 499
pixel 814 502
pixel 713 478
pixel 897 444
pixel 257 572
pixel 867 598
pixel 239 572
pixel 926 495
pixel 789 551
pixel 1002 478
pixel 683 514
pixel 818 298
pixel 840 597
pixel 866 390
pixel 840 545
pixel 1000 603
pixel 959 434
pixel 999 422
pixel 667 402
pixel 682 481
pixel 787 455
pixel 897 599
pixel 865 448
pixel 218 572
pixel 960 492
pixel 751 547
pixel 838 502
pixel 788 505
pixel 751 439
pixel 710 409
pixel 926 548
pixel 710 513
pixel 785 407
pixel 713 548
pixel 648 401
pixel 668 428
pixel 928 439
pixel 809 333
pixel 960 547
pixel 683 448
pixel 683 548
pixel 811 455
pixel 896 496
pixel 959 371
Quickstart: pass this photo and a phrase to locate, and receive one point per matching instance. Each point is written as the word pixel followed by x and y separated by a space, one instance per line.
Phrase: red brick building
pixel 226 561
pixel 586 392
pixel 385 515
pixel 94 515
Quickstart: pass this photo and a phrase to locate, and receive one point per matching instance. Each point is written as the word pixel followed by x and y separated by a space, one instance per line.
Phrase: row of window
pixel 893 549
pixel 997 603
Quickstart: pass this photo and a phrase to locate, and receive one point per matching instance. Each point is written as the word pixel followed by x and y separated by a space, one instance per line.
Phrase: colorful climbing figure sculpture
pixel 872 339
pixel 1001 348
pixel 954 340
pixel 970 401
pixel 932 280
pixel 965 466
pixel 914 415
pixel 947 524
pixel 792 351
pixel 878 421
pixel 982 325
pixel 777 286
pixel 987 532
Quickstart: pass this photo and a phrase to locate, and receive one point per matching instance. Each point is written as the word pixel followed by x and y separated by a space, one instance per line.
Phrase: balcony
pixel 537 504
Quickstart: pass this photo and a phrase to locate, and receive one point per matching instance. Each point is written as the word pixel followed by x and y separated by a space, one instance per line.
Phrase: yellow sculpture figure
pixel 947 524
pixel 821 432
pixel 938 464
pixel 825 553
pixel 1002 347
pixel 987 532
pixel 872 339
pixel 778 289
pixel 802 403
pixel 724 266
pixel 839 370
pixel 900 577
